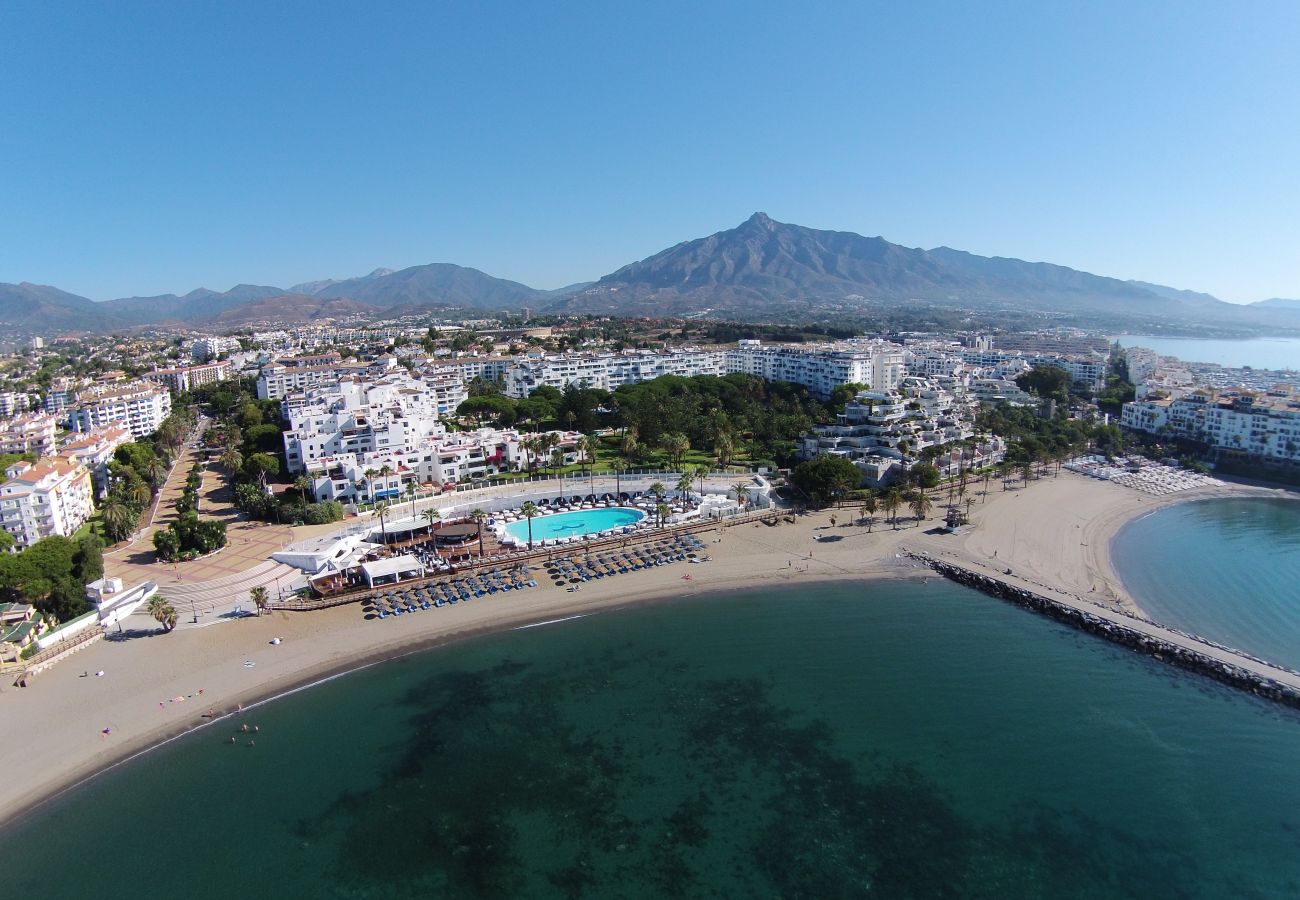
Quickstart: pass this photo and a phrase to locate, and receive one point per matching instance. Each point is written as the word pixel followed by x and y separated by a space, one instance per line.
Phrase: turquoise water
pixel 1225 569
pixel 1258 353
pixel 578 522
pixel 894 740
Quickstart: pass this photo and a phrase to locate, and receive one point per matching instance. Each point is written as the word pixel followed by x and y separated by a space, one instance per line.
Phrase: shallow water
pixel 1228 570
pixel 896 740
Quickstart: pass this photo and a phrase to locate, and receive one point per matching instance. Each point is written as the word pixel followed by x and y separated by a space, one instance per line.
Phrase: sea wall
pixel 1173 648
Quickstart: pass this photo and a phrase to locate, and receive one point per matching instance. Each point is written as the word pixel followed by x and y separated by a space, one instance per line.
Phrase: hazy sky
pixel 155 147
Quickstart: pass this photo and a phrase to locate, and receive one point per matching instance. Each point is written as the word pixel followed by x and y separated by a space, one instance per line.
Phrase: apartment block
pixel 210 347
pixel 184 378
pixel 1264 425
pixel 94 451
pixel 140 406
pixel 44 499
pixel 885 432
pixel 13 402
pixel 29 433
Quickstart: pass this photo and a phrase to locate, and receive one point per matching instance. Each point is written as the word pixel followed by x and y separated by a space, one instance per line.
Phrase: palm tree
pixel 725 448
pixel 1026 471
pixel 232 461
pixel 988 475
pixel 141 494
pixel 156 474
pixel 677 445
pixel 893 499
pixel 411 492
pixel 742 493
pixel 921 505
pixel 302 484
pixel 619 468
pixel 117 518
pixel 381 510
pixel 628 445
pixel 662 512
pixel 869 510
pixel 658 490
pixel 584 452
pixel 163 612
pixel 701 475
pixel 478 516
pixel 685 483
pixel 969 501
pixel 431 515
pixel 259 597
pixel 533 446
pixel 529 512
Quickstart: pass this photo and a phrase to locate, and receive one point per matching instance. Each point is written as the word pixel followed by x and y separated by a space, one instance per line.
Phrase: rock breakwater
pixel 1195 654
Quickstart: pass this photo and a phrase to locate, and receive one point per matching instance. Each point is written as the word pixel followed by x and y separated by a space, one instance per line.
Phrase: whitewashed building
pixel 43 499
pixel 141 406
pixel 1266 426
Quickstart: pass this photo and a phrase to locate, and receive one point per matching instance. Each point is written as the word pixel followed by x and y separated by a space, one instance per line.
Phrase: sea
pixel 1277 353
pixel 1226 569
pixel 885 739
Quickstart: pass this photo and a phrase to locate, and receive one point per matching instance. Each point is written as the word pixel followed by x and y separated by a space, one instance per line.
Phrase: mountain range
pixel 762 269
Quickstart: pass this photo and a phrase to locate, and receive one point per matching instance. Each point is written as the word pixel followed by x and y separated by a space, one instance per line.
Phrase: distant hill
pixel 436 284
pixel 32 308
pixel 199 305
pixel 1192 297
pixel 290 309
pixel 761 269
pixel 765 266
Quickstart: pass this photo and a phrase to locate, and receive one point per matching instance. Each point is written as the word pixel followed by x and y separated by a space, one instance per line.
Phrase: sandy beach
pixel 70 722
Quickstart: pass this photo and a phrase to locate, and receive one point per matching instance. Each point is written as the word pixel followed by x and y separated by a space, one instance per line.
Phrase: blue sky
pixel 155 147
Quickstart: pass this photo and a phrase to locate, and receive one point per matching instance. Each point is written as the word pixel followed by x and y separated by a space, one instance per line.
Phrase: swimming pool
pixel 571 524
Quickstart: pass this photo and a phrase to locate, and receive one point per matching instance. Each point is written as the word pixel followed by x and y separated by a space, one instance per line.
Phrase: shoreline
pixel 63 712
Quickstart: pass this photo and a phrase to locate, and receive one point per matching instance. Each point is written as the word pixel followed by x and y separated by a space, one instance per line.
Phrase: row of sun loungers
pixel 436 595
pixel 575 570
pixel 1149 478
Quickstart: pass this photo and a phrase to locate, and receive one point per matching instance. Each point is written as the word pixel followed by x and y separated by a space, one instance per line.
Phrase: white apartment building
pixel 184 378
pixel 360 416
pixel 13 402
pixel 885 431
pixel 822 367
pixel 95 452
pixel 1089 371
pixel 44 499
pixel 140 406
pixel 288 376
pixel 438 460
pixel 819 367
pixel 210 347
pixel 29 433
pixel 1266 426
pixel 607 371
pixel 61 396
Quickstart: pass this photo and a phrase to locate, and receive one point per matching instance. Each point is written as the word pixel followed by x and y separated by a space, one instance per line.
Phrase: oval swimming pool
pixel 574 524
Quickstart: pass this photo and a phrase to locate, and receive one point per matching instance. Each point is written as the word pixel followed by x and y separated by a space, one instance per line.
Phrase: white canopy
pixel 396 567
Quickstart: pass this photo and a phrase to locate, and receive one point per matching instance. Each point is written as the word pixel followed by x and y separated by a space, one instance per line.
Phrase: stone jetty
pixel 1168 645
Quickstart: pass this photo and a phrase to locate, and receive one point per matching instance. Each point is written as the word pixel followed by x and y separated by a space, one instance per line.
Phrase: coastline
pixel 156 687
